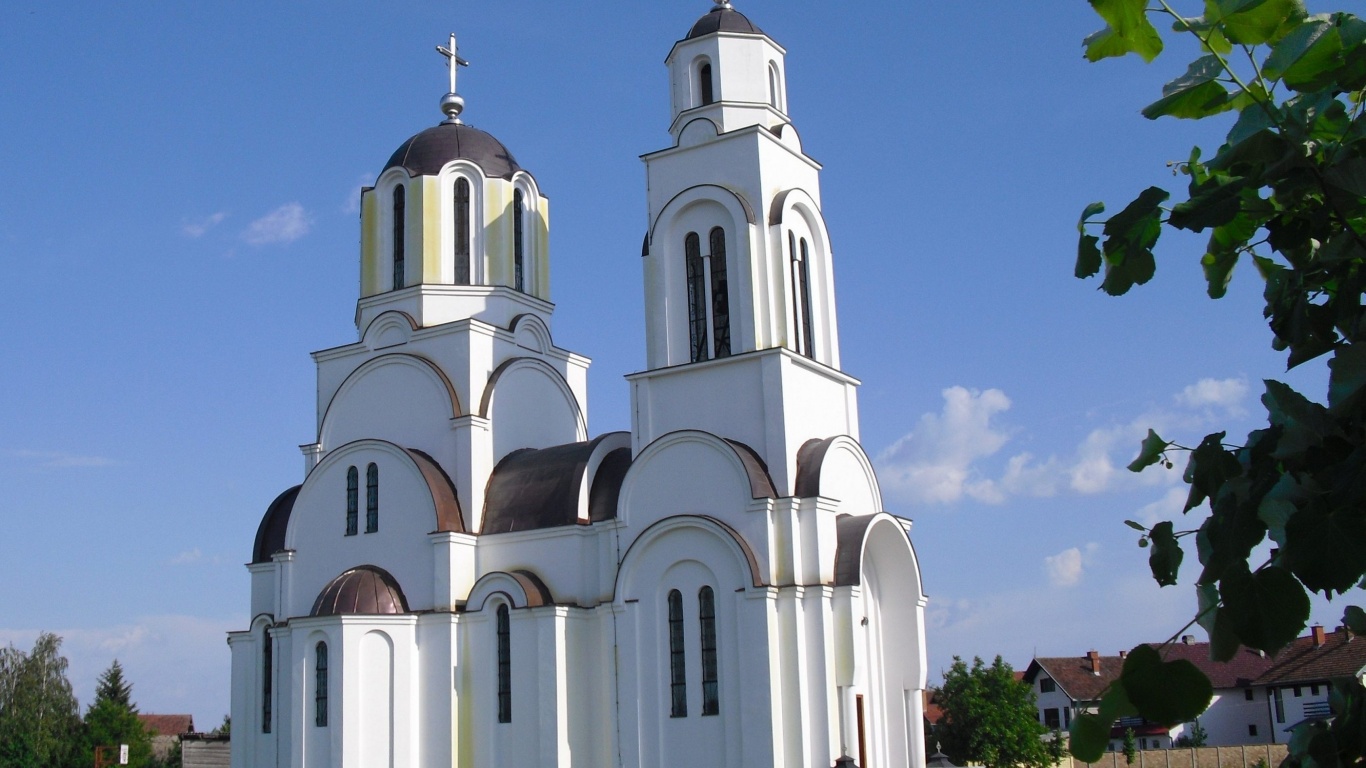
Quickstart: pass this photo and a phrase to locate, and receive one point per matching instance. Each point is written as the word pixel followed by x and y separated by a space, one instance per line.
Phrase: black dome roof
pixel 722 19
pixel 425 153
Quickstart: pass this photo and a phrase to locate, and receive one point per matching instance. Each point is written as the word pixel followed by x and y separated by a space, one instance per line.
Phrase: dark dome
pixel 723 19
pixel 366 590
pixel 425 153
pixel 270 535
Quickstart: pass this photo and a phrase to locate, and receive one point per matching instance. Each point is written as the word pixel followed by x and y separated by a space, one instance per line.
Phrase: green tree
pixel 39 717
pixel 990 718
pixel 1287 192
pixel 1130 746
pixel 113 719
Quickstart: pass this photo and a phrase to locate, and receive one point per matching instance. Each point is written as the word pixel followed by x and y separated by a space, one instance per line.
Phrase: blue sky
pixel 179 231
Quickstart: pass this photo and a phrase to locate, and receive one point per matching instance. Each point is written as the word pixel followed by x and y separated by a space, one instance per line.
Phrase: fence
pixel 1193 757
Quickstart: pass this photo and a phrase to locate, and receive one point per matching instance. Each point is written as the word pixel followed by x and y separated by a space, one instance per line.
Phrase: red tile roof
pixel 1074 674
pixel 1341 655
pixel 1239 672
pixel 933 712
pixel 167 725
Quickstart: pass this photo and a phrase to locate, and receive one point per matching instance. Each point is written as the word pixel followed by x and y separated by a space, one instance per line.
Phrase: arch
pixel 531 332
pixel 740 550
pixel 699 130
pixel 533 232
pixel 446 505
pixel 513 364
pixel 389 329
pixel 321 684
pixel 270 535
pixel 817 455
pixel 853 534
pixel 705 81
pixel 774 86
pixel 424 366
pixel 730 199
pixel 399 239
pixel 746 471
pixel 521 588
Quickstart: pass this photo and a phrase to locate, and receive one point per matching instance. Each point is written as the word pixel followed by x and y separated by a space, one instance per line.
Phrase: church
pixel 466 577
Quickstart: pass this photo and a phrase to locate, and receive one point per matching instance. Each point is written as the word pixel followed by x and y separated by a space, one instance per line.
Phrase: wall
pixel 1202 757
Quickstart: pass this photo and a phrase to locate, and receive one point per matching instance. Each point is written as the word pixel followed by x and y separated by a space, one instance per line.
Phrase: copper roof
pixel 366 590
pixel 426 153
pixel 270 535
pixel 722 19
pixel 1301 662
pixel 539 488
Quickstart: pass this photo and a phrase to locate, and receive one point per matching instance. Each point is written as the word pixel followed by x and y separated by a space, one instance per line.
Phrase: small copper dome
pixel 426 153
pixel 723 18
pixel 365 590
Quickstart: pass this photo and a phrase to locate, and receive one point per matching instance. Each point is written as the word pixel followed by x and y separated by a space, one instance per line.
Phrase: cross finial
pixel 452 104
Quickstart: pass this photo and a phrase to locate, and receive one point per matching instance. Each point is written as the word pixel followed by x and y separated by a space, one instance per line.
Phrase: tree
pixel 39 720
pixel 1130 746
pixel 990 718
pixel 113 719
pixel 1286 191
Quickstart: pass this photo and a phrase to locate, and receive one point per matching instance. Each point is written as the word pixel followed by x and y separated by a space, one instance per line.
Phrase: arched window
pixel 462 232
pixel 352 502
pixel 267 672
pixel 518 241
pixel 320 685
pixel 697 298
pixel 704 84
pixel 773 85
pixel 708 296
pixel 504 665
pixel 371 499
pixel 720 292
pixel 706 614
pixel 399 216
pixel 678 676
pixel 801 296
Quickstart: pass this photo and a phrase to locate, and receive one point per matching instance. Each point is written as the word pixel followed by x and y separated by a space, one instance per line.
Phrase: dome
pixel 723 18
pixel 366 590
pixel 426 153
pixel 270 535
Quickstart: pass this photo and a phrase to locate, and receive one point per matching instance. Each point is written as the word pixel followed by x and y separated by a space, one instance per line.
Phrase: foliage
pixel 39 720
pixel 990 718
pixel 172 759
pixel 1287 192
pixel 1130 747
pixel 1197 737
pixel 225 729
pixel 113 719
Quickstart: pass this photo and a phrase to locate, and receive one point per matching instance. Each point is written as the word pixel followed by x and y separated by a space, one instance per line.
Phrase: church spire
pixel 452 104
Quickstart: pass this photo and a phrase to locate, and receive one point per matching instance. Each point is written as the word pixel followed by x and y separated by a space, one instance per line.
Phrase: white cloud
pixel 934 463
pixel 1227 394
pixel 60 460
pixel 285 224
pixel 176 663
pixel 1166 508
pixel 197 227
pixel 1065 568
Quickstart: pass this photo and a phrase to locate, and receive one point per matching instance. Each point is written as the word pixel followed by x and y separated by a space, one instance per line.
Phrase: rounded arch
pixel 699 130
pixel 534 433
pixel 531 332
pixel 734 475
pixel 385 189
pixel 389 329
pixel 741 554
pixel 262 621
pixel 445 503
pixel 521 588
pixel 450 176
pixel 535 231
pixel 732 201
pixel 440 384
pixel 702 81
pixel 837 467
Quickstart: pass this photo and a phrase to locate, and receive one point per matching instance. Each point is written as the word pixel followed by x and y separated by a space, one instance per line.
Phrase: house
pixel 1070 685
pixel 1298 683
pixel 465 577
pixel 1237 714
pixel 166 731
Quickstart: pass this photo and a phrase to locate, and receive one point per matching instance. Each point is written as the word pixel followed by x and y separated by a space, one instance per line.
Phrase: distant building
pixel 1298 682
pixel 166 731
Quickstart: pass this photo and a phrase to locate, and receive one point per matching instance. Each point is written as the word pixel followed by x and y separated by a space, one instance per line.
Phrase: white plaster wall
pixel 398 398
pixel 317 527
pixel 576 563
pixel 532 407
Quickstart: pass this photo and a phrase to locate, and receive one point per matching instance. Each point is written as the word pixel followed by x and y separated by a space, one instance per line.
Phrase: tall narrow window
pixel 801 301
pixel 720 293
pixel 462 232
pixel 504 666
pixel 706 614
pixel 371 499
pixel 399 216
pixel 352 502
pixel 267 673
pixel 697 298
pixel 773 86
pixel 678 675
pixel 518 241
pixel 704 84
pixel 320 685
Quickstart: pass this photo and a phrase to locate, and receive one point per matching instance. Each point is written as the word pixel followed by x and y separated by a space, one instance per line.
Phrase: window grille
pixel 371 499
pixel 462 232
pixel 399 216
pixel 678 682
pixel 320 685
pixel 706 614
pixel 352 504
pixel 504 665
pixel 518 241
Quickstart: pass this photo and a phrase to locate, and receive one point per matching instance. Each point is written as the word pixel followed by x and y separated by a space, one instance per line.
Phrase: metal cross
pixel 453 59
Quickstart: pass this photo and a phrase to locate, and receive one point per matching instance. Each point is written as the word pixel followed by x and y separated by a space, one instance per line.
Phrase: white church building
pixel 465 577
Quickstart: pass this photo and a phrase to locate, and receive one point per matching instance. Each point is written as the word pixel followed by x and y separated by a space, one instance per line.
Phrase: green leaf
pixel 1127 30
pixel 1254 22
pixel 1166 557
pixel 1354 619
pixel 1093 209
pixel 1310 50
pixel 1268 609
pixel 1210 466
pixel 1129 239
pixel 1223 640
pixel 1214 203
pixel 1089 737
pixel 1348 375
pixel 1326 547
pixel 1088 257
pixel 1136 526
pixel 1149 454
pixel 1165 692
pixel 1195 94
pixel 1348 176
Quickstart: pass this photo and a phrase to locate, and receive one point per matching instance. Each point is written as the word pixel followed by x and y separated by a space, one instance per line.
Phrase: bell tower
pixel 741 334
